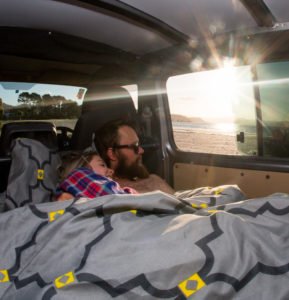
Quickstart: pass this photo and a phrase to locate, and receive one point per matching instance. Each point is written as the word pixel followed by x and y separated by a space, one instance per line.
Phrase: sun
pixel 208 94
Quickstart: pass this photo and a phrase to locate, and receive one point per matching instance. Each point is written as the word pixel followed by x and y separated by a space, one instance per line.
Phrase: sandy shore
pixel 206 142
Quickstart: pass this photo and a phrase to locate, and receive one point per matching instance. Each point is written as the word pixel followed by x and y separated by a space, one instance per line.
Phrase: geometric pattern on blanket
pixel 204 197
pixel 151 246
pixel 33 173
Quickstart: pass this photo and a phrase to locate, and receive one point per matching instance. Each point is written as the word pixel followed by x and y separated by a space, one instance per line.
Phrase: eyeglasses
pixel 135 147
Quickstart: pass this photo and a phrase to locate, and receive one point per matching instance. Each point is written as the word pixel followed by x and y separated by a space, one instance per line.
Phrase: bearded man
pixel 118 144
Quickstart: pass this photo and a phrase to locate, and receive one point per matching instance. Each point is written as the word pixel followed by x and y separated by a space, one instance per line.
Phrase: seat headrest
pixel 103 95
pixel 44 132
pixel 99 108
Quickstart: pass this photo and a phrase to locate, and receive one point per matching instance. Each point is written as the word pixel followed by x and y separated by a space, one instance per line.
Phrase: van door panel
pixel 254 183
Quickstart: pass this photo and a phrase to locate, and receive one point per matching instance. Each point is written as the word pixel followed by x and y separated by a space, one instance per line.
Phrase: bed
pixel 210 244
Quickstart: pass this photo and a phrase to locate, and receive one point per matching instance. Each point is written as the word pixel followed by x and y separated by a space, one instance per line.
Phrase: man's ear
pixel 111 154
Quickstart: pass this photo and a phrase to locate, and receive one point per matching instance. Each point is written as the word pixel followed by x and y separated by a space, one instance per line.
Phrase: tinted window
pixel 204 109
pixel 233 110
pixel 274 104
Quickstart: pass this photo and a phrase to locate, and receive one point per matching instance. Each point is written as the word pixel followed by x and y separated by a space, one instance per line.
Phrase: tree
pixel 35 106
pixel 24 98
pixel 35 99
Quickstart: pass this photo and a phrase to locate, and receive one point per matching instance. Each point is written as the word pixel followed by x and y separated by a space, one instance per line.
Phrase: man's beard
pixel 132 171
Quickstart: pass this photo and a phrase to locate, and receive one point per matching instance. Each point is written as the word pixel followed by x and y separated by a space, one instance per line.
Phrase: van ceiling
pixel 87 40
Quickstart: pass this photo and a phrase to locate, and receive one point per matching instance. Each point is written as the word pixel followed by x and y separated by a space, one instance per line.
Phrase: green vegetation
pixel 33 106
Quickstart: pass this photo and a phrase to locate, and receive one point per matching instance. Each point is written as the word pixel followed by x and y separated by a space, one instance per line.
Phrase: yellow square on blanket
pixel 64 280
pixel 4 276
pixel 191 285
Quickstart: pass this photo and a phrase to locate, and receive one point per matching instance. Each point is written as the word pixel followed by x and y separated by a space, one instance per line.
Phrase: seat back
pixel 45 132
pixel 99 107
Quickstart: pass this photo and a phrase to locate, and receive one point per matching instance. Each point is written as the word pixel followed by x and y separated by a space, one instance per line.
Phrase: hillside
pixel 6 106
pixel 181 118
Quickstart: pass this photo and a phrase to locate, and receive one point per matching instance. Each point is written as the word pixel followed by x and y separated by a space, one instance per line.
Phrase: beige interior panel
pixel 253 183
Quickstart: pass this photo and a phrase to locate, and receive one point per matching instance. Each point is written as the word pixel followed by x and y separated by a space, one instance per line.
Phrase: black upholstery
pixel 45 132
pixel 5 163
pixel 100 107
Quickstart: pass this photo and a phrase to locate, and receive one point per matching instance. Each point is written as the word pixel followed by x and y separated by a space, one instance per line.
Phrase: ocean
pixel 221 128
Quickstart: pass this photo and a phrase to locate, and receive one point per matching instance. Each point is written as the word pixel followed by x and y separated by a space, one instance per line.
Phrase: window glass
pixel 274 104
pixel 210 110
pixel 226 111
pixel 30 101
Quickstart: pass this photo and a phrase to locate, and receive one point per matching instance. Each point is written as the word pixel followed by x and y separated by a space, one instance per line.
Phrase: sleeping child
pixel 86 175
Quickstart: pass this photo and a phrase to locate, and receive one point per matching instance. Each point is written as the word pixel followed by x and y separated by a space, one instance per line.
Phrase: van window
pixel 29 101
pixel 232 110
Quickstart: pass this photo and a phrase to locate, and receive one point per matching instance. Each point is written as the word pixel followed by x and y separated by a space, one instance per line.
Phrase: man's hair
pixel 107 136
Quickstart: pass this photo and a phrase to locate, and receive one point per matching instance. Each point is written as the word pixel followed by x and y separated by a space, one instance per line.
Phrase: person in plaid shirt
pixel 86 175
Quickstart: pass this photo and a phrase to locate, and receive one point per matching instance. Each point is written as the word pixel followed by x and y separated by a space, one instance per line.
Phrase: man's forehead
pixel 127 132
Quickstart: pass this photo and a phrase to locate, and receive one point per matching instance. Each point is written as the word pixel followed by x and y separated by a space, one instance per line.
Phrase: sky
pixel 229 93
pixel 210 94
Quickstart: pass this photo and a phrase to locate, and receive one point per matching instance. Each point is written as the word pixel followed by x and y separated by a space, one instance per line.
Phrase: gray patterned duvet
pixel 149 246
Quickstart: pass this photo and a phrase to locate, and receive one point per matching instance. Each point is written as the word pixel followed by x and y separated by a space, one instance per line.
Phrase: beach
pixel 206 142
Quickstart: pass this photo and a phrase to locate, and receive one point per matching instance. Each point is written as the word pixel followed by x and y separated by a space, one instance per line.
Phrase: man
pixel 118 144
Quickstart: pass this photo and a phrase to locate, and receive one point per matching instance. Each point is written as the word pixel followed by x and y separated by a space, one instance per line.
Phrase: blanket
pixel 147 246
